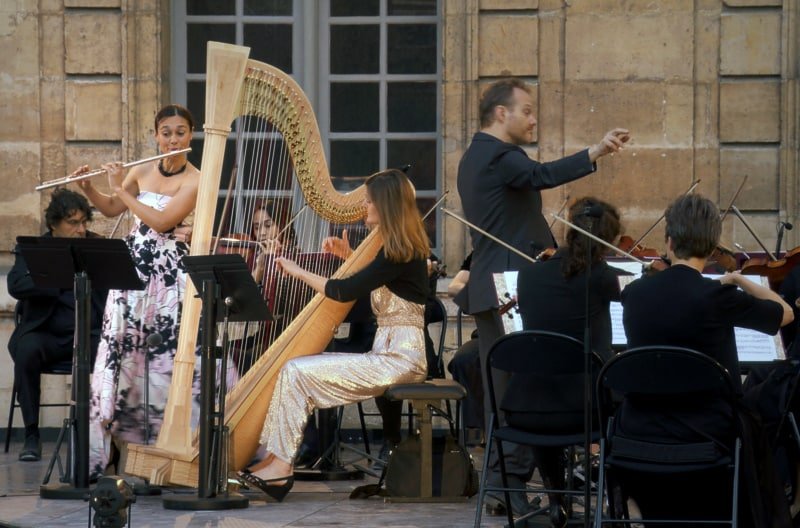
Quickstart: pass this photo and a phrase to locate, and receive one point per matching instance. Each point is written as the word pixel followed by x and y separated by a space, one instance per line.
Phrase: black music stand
pixel 223 278
pixel 79 263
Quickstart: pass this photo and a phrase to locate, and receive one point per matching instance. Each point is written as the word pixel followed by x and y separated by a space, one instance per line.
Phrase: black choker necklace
pixel 166 173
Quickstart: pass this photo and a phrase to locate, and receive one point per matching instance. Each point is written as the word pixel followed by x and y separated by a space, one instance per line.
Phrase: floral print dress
pixel 117 401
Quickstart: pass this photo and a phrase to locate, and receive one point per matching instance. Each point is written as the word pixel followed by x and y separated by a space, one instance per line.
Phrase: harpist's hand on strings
pixel 338 246
pixel 288 267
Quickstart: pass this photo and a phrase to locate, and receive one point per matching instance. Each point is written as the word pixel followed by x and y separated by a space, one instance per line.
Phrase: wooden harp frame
pixel 174 457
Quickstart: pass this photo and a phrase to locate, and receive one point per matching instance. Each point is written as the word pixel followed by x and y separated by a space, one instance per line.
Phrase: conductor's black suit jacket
pixel 500 186
pixel 38 304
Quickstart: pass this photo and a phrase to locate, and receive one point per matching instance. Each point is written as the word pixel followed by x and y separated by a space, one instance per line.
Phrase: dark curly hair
pixel 63 204
pixel 606 227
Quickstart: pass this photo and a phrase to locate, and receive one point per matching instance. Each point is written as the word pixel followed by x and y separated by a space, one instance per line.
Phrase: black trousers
pixel 34 352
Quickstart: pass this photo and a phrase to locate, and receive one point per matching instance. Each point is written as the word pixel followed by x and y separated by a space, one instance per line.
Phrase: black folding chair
pixel 545 373
pixel 664 379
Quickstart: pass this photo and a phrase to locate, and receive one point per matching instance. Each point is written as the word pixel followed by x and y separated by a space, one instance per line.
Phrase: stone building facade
pixel 708 88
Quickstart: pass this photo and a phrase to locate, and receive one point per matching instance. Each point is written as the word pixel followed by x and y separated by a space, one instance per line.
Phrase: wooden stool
pixel 424 396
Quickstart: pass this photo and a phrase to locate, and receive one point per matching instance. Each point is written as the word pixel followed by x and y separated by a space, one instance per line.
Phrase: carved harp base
pixel 161 467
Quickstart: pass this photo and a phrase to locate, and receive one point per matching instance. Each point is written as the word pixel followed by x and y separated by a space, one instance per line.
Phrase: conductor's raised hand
pixel 338 246
pixel 613 141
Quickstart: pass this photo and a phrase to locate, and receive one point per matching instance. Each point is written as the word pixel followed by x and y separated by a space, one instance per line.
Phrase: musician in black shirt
pixel 397 280
pixel 679 307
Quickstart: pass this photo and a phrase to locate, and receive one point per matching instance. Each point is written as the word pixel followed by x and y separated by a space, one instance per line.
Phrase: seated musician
pixel 552 296
pixel 679 307
pixel 45 330
pixel 397 279
pixel 266 241
pixel 465 367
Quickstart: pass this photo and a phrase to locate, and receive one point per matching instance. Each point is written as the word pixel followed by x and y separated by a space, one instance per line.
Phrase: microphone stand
pixel 783 226
pixel 587 389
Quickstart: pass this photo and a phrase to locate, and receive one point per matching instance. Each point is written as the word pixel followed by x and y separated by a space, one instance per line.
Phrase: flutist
pixel 160 194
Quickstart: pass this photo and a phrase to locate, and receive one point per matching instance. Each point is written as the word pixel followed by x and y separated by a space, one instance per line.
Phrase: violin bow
pixel 739 214
pixel 733 200
pixel 560 210
pixel 225 208
pixel 601 241
pixel 435 205
pixel 489 235
pixel 660 218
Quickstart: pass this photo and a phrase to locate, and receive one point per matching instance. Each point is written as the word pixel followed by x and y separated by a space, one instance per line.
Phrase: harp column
pixel 225 66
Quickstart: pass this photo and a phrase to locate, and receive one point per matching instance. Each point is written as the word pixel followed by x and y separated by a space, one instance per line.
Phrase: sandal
pixel 276 491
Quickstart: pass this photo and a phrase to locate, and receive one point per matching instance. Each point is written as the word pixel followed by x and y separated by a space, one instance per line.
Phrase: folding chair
pixel 666 380
pixel 546 376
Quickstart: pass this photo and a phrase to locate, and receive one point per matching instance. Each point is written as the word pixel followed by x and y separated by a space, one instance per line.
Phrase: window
pixel 370 67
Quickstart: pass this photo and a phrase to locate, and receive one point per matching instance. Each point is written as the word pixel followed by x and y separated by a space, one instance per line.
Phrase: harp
pixel 237 87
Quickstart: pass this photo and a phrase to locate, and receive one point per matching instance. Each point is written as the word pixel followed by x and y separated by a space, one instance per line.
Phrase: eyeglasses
pixel 85 222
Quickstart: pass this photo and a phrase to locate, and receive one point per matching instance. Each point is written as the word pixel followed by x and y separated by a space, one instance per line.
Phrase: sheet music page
pixel 505 286
pixel 752 346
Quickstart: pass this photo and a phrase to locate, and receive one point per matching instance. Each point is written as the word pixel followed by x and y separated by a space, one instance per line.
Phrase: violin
pixel 629 245
pixel 775 270
pixel 235 243
pixel 724 258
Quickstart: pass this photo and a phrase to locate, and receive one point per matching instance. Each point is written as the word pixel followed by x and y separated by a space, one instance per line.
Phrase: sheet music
pixel 505 287
pixel 752 346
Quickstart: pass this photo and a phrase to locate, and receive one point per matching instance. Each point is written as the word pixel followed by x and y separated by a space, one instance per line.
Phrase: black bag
pixel 453 472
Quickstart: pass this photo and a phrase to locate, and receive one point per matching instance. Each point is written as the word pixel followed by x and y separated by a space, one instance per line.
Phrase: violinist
pixel 562 281
pixel 790 291
pixel 699 313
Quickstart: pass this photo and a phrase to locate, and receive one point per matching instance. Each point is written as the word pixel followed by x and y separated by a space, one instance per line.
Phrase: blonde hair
pixel 393 196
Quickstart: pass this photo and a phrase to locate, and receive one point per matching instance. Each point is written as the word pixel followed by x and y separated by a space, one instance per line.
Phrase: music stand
pixel 226 278
pixel 80 263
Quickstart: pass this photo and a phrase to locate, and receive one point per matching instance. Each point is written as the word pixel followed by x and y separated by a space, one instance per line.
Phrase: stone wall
pixel 82 81
pixel 708 89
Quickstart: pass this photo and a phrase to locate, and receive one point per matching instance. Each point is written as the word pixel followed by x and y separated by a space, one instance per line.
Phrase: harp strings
pixel 267 180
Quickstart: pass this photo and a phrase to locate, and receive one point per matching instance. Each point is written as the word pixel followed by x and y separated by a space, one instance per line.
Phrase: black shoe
pixel 32 450
pixel 383 457
pixel 276 491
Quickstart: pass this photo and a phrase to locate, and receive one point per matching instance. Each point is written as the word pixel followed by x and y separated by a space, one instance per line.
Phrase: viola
pixel 775 270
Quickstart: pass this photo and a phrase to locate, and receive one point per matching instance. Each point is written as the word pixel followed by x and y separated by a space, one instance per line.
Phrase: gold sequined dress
pixel 332 379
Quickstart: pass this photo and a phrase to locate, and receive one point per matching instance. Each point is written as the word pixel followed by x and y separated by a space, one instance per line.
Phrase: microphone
pixel 593 211
pixel 153 340
pixel 782 225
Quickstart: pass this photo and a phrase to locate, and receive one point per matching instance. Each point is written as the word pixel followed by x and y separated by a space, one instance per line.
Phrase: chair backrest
pixel 547 372
pixel 662 371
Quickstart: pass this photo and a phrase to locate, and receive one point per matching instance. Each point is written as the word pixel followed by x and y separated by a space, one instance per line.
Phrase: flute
pixel 69 179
